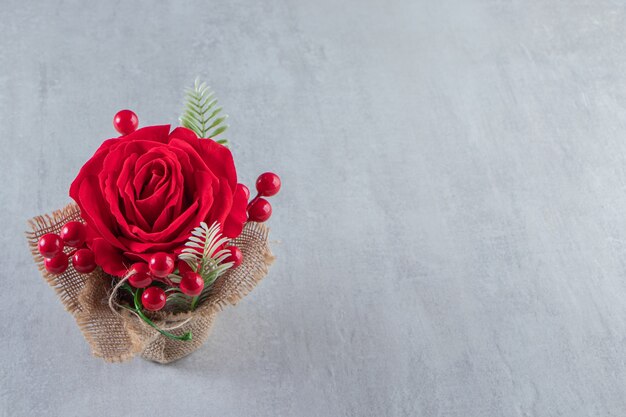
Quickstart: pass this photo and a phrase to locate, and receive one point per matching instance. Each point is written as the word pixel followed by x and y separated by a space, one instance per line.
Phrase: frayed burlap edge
pixel 119 336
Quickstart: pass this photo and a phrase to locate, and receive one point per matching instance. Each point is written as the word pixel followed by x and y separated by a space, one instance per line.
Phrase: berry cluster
pixel 56 261
pixel 159 268
pixel 267 185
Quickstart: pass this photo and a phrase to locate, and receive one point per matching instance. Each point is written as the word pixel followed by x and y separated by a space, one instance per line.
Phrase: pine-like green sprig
pixel 203 255
pixel 202 113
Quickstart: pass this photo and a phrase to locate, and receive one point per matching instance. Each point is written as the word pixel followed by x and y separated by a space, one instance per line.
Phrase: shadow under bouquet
pixel 160 237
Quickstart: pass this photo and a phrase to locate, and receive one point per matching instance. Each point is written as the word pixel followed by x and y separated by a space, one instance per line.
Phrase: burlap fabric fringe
pixel 119 336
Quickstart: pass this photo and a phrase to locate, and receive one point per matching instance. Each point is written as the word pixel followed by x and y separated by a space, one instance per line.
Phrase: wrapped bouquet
pixel 160 236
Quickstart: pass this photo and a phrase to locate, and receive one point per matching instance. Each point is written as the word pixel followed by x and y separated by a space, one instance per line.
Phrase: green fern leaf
pixel 202 114
pixel 203 254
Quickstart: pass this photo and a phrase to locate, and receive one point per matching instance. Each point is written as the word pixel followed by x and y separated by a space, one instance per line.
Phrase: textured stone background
pixel 451 235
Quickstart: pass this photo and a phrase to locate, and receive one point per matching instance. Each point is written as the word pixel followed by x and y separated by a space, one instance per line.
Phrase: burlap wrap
pixel 117 337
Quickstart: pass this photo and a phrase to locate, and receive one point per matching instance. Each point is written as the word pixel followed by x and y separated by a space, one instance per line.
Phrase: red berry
pixel 153 298
pixel 268 184
pixel 191 284
pixel 140 277
pixel 260 210
pixel 50 245
pixel 161 264
pixel 73 234
pixel 125 122
pixel 84 261
pixel 139 267
pixel 235 256
pixel 140 280
pixel 57 264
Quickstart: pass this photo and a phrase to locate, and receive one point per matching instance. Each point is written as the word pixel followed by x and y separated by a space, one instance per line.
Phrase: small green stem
pixel 194 302
pixel 139 311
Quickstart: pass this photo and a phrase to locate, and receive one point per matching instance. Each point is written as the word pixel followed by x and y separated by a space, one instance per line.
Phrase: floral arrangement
pixel 161 233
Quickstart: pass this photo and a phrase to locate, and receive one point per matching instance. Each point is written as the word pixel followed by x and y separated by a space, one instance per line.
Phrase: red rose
pixel 144 193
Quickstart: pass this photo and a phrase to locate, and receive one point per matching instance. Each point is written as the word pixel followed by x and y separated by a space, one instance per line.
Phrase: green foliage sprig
pixel 203 254
pixel 202 114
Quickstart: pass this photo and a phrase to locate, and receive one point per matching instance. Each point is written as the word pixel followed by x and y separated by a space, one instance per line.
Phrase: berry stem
pixel 139 311
pixel 165 280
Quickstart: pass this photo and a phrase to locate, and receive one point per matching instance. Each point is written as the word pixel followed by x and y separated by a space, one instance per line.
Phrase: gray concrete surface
pixel 451 236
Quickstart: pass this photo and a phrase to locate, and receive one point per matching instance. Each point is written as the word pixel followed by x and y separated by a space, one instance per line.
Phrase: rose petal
pixel 216 157
pixel 91 167
pixel 128 209
pixel 94 210
pixel 183 133
pixel 109 258
pixel 233 225
pixel 149 133
pixel 222 203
